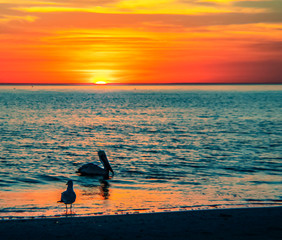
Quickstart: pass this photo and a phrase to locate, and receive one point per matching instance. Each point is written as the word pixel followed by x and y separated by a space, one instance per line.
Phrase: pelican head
pixel 104 160
pixel 70 183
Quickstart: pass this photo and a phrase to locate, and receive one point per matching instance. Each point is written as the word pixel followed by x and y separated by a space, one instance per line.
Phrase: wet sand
pixel 245 223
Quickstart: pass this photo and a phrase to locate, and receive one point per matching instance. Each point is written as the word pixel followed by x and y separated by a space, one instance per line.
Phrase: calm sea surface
pixel 171 147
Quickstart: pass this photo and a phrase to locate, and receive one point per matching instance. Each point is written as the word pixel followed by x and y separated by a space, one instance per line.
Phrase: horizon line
pixel 131 84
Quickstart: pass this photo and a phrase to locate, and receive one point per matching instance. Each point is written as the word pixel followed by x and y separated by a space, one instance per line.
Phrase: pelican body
pixel 93 169
pixel 68 196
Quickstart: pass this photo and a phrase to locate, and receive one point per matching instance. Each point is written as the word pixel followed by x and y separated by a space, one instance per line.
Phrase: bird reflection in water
pixel 104 189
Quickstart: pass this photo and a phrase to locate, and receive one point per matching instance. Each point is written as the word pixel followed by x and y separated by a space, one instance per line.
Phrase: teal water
pixel 171 146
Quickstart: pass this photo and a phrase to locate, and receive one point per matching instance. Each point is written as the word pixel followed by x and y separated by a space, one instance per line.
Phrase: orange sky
pixel 140 41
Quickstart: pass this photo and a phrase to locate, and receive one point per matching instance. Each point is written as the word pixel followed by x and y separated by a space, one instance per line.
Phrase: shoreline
pixel 232 223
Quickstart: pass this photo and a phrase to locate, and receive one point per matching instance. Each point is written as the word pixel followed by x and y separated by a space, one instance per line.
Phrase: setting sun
pixel 100 82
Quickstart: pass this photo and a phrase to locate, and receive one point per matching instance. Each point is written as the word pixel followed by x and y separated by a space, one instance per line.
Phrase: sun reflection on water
pixel 102 199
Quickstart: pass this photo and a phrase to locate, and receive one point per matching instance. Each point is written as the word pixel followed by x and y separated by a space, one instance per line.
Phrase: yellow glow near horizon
pixel 102 76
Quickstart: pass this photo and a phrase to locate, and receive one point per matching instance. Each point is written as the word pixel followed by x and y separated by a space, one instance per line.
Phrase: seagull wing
pixel 68 197
pixel 62 197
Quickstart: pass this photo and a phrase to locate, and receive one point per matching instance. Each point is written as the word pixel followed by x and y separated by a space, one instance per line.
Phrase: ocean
pixel 171 148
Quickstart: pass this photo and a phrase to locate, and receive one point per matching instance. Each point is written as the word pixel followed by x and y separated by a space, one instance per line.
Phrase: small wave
pixel 267 182
pixel 237 169
pixel 264 200
pixel 49 178
pixel 29 180
pixel 6 181
pixel 21 210
pixel 189 183
pixel 133 172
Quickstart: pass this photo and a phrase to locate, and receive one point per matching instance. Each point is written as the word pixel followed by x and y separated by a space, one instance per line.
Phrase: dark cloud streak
pixel 274 6
pixel 274 46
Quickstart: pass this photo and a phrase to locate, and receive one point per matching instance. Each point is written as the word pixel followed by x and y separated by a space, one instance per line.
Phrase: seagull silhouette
pixel 68 196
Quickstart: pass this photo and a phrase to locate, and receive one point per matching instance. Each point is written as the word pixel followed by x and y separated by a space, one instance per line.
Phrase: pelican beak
pixel 111 170
pixel 104 160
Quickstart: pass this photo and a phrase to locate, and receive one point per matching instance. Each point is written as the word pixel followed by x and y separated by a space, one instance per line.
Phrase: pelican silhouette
pixel 93 169
pixel 68 196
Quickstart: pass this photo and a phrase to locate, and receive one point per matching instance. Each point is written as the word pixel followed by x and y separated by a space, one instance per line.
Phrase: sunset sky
pixel 140 41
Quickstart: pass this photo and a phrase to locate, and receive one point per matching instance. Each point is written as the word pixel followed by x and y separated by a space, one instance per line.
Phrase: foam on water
pixel 170 147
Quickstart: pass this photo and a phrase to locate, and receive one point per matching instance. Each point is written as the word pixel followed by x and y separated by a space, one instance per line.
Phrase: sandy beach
pixel 244 223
